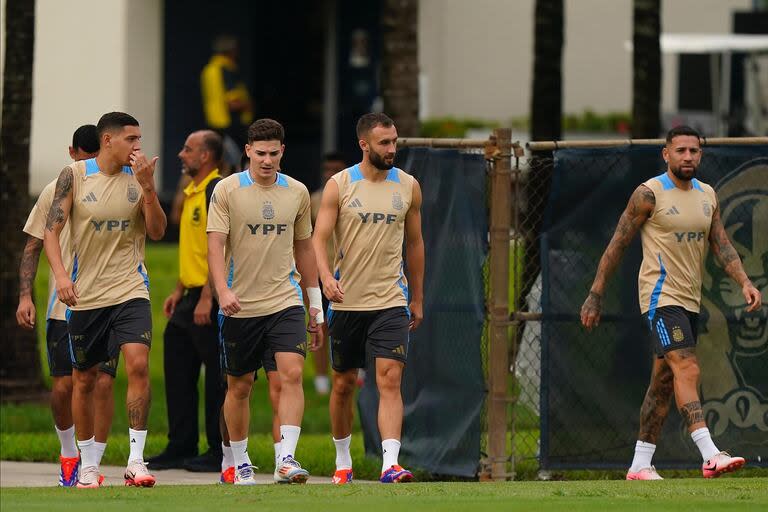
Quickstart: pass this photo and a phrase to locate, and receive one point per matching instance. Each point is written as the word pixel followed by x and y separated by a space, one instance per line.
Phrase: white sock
pixel 137 439
pixel 240 452
pixel 704 443
pixel 343 457
pixel 88 456
pixel 391 450
pixel 67 441
pixel 289 438
pixel 322 384
pixel 643 455
pixel 227 459
pixel 100 448
pixel 277 452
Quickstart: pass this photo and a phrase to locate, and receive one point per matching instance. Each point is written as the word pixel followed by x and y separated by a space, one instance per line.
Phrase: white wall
pixel 92 57
pixel 478 56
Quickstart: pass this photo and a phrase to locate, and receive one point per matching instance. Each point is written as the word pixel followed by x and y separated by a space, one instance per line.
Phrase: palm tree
pixel 646 69
pixel 400 64
pixel 20 375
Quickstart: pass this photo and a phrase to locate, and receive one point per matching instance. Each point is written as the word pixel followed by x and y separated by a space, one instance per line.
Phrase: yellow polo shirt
pixel 193 240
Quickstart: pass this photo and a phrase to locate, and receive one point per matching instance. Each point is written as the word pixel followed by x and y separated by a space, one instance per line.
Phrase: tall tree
pixel 400 64
pixel 646 69
pixel 20 374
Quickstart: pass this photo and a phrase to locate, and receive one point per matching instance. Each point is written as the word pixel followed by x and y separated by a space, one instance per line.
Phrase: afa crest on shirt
pixel 268 211
pixel 707 209
pixel 133 194
pixel 397 201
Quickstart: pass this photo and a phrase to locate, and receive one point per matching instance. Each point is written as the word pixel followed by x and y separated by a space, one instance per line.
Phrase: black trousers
pixel 187 347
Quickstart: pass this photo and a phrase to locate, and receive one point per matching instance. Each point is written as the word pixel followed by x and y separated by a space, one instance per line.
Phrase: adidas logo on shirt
pixel 355 203
pixel 673 211
pixel 90 198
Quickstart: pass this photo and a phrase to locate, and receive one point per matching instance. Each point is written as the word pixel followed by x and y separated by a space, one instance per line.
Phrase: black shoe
pixel 166 460
pixel 209 462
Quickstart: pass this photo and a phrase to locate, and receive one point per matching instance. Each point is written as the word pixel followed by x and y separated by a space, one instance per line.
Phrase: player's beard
pixel 379 162
pixel 679 174
pixel 191 171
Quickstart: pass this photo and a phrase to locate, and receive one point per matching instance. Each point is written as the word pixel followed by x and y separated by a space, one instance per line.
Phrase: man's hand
pixel 332 289
pixel 590 311
pixel 66 290
pixel 202 313
pixel 144 170
pixel 417 314
pixel 228 302
pixel 169 306
pixel 315 331
pixel 25 314
pixel 751 294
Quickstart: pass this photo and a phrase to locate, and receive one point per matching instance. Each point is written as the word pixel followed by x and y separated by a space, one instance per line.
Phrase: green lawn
pixel 679 495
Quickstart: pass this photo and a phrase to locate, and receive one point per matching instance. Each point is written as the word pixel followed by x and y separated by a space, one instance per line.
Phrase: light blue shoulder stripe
pixel 697 185
pixel 282 181
pixel 393 175
pixel 666 181
pixel 91 167
pixel 245 178
pixel 355 174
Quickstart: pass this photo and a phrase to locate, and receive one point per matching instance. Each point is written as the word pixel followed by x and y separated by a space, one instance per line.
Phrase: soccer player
pixel 332 163
pixel 677 216
pixel 85 144
pixel 368 208
pixel 261 218
pixel 112 205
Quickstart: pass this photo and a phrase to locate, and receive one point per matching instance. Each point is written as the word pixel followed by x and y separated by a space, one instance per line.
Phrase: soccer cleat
pixel 644 474
pixel 70 467
pixel 396 475
pixel 228 476
pixel 137 474
pixel 721 463
pixel 89 478
pixel 342 476
pixel 243 475
pixel 290 472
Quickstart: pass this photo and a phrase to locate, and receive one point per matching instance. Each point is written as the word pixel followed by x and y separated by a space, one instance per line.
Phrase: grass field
pixel 678 495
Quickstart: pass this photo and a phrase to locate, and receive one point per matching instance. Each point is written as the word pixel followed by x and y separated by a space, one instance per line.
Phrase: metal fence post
pixel 498 353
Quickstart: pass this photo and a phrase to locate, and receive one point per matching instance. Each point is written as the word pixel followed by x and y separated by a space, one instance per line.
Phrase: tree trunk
pixel 400 65
pixel 20 374
pixel 646 69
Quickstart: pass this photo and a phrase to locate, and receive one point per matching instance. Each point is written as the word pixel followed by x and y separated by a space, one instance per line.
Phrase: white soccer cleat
pixel 137 474
pixel 290 472
pixel 644 474
pixel 244 475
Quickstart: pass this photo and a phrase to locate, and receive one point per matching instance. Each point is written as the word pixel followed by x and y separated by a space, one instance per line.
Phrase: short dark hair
pixel 682 130
pixel 334 156
pixel 113 120
pixel 368 122
pixel 266 129
pixel 86 138
pixel 212 142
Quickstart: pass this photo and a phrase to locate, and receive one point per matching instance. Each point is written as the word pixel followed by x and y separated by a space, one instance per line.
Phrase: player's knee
pixel 61 389
pixel 344 383
pixel 104 384
pixel 84 382
pixel 239 389
pixel 388 379
pixel 687 370
pixel 137 369
pixel 291 376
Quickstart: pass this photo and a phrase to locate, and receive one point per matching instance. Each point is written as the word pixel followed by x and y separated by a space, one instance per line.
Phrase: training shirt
pixel 261 224
pixel 108 235
pixel 675 240
pixel 193 239
pixel 35 226
pixel 369 236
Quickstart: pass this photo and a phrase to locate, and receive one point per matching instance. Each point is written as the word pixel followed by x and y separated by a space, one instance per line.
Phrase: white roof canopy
pixel 710 43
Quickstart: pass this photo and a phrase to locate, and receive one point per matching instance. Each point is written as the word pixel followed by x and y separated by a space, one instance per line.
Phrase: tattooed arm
pixel 727 256
pixel 25 314
pixel 57 217
pixel 638 210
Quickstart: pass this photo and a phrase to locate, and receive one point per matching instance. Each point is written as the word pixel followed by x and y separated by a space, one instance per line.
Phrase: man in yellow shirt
pixel 191 338
pixel 226 103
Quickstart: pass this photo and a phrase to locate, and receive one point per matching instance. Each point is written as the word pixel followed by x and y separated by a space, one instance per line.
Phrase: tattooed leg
pixel 685 366
pixel 657 401
pixel 139 392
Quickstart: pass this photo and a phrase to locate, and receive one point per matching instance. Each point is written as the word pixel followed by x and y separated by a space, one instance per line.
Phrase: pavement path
pixel 46 474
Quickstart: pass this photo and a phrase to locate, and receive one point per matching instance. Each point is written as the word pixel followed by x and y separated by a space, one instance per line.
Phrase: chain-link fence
pixel 558 397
